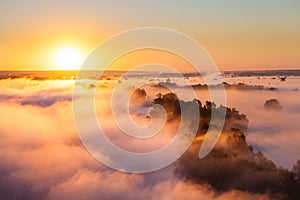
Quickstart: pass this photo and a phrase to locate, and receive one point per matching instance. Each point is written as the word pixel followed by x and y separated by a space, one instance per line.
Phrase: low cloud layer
pixel 275 133
pixel 35 93
pixel 42 156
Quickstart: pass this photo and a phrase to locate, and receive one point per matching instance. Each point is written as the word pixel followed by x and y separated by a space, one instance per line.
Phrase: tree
pixel 296 170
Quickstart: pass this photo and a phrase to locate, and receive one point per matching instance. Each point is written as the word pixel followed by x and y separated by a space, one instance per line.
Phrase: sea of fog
pixel 42 156
pixel 275 133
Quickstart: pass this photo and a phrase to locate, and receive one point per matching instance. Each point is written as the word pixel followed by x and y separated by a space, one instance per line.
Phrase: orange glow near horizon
pixel 141 57
pixel 40 55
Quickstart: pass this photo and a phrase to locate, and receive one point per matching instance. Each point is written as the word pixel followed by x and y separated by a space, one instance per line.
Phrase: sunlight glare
pixel 68 58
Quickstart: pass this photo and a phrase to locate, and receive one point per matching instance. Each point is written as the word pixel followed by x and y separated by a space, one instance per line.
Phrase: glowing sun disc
pixel 68 58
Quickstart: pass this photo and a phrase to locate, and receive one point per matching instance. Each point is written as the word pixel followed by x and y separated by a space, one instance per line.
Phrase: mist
pixel 42 156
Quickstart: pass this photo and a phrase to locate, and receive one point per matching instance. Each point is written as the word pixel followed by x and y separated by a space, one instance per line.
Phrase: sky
pixel 238 35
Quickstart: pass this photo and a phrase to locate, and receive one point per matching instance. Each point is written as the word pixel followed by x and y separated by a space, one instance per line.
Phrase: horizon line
pixel 74 70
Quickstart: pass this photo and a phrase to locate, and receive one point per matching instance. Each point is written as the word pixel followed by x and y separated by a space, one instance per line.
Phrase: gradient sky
pixel 238 34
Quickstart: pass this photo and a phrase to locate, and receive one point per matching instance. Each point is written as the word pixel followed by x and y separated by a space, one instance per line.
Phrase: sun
pixel 68 58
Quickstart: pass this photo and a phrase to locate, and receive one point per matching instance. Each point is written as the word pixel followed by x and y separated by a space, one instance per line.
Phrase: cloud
pixel 88 185
pixel 274 133
pixel 35 93
pixel 42 156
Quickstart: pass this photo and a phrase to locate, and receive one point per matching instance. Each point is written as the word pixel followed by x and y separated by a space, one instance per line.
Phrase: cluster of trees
pixel 232 164
pixel 272 104
pixel 235 86
pixel 173 107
